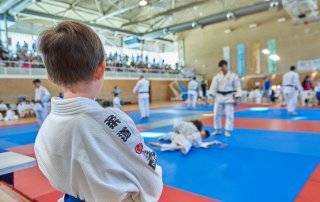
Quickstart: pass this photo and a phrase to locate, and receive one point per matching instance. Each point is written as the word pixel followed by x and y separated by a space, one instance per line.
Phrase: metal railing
pixel 21 69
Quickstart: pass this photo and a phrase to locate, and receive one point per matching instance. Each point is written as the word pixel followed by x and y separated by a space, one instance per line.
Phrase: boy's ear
pixel 99 73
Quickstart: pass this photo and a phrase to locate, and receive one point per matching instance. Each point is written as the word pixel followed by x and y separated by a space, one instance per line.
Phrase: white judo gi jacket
pixel 291 88
pixel 189 130
pixel 225 83
pixel 142 89
pixel 186 135
pixel 43 95
pixel 225 88
pixel 96 154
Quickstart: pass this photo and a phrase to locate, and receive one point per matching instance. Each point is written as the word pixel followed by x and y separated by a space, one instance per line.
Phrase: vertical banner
pixel 241 65
pixel 226 55
pixel 256 58
pixel 181 52
pixel 272 65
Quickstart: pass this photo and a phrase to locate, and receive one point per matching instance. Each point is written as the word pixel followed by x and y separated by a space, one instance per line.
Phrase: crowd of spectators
pixel 140 62
pixel 25 56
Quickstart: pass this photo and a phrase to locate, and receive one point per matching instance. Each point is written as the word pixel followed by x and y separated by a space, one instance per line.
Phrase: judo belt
pixel 143 92
pixel 69 198
pixel 292 86
pixel 226 92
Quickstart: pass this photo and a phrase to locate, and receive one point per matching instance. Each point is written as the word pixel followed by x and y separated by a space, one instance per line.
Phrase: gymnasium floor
pixel 271 157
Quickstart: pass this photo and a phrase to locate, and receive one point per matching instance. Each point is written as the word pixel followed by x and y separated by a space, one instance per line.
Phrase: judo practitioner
pixel 192 93
pixel 10 115
pixel 256 95
pixel 117 101
pixel 3 106
pixel 226 88
pixel 142 89
pixel 42 96
pixel 86 151
pixel 186 135
pixel 291 87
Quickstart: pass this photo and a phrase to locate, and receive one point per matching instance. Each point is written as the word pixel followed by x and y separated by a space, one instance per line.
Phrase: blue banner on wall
pixel 241 63
pixel 226 55
pixel 272 65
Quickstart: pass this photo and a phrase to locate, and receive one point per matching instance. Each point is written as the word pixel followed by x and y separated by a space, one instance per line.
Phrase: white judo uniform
pixel 117 102
pixel 225 88
pixel 96 154
pixel 22 109
pixel 10 115
pixel 3 107
pixel 185 137
pixel 142 89
pixel 256 96
pixel 192 93
pixel 291 87
pixel 42 95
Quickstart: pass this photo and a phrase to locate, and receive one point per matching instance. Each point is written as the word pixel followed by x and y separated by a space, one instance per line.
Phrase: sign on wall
pixel 308 65
pixel 241 64
pixel 226 55
pixel 272 64
pixel 256 58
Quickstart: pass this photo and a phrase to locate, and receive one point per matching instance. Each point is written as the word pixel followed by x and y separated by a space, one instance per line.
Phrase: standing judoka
pixel 192 93
pixel 291 88
pixel 142 89
pixel 43 97
pixel 226 88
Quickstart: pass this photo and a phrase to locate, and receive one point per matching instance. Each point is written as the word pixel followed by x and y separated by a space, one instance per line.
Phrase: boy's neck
pixel 81 90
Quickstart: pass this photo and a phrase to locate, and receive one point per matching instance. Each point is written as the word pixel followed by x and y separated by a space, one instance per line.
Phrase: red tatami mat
pixel 35 186
pixel 32 183
pixel 27 150
pixel 269 124
pixel 171 194
pixel 311 190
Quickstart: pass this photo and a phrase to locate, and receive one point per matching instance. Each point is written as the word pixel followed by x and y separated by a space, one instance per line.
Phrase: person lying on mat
pixel 185 136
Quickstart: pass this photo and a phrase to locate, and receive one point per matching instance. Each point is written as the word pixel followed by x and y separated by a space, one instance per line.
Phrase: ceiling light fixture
pixel 274 57
pixel 143 2
pixel 227 31
pixel 254 25
pixel 266 51
pixel 282 19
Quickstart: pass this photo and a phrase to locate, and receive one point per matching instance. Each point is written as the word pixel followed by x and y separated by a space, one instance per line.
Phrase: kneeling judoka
pixel 186 135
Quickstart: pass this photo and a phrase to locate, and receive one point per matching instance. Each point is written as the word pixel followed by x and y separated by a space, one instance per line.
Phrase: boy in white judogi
pixel 3 106
pixel 142 89
pixel 117 101
pixel 256 94
pixel 192 93
pixel 291 87
pixel 22 109
pixel 10 115
pixel 88 152
pixel 42 96
pixel 226 88
pixel 186 136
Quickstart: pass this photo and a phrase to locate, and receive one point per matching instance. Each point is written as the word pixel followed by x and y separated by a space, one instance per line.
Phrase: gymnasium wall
pixel 12 88
pixel 203 47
